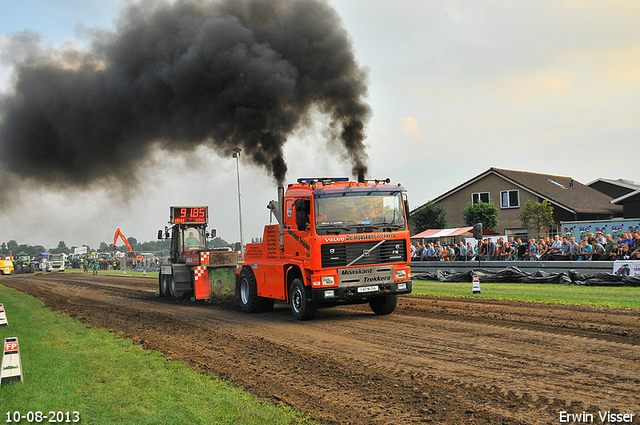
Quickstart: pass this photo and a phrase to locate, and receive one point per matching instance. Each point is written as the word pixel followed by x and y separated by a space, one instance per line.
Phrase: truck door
pixel 298 222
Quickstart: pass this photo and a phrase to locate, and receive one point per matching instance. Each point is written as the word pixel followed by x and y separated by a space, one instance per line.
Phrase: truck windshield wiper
pixel 388 226
pixel 334 229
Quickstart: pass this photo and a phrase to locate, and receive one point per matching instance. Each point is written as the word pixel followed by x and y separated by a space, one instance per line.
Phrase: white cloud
pixel 411 127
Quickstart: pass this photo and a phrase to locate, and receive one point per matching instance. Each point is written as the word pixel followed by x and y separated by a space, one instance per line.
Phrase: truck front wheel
pixel 247 291
pixel 301 307
pixel 384 305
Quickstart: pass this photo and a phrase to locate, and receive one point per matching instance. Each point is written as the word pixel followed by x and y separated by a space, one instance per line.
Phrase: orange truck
pixel 336 242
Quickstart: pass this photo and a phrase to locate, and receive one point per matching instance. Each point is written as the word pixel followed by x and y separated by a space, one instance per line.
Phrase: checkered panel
pixel 199 272
pixel 204 257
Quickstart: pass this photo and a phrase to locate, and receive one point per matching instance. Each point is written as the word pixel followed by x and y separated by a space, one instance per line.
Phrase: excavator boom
pixel 119 234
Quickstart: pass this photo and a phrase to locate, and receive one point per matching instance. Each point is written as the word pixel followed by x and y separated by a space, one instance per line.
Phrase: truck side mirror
pixel 406 210
pixel 477 230
pixel 213 233
pixel 159 234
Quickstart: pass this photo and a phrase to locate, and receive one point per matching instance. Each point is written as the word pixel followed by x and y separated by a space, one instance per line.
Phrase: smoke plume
pixel 231 73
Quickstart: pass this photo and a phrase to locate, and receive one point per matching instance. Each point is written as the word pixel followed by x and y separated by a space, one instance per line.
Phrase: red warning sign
pixel 10 346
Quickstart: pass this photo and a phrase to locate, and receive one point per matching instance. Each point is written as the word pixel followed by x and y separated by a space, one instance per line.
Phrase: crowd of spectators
pixel 591 248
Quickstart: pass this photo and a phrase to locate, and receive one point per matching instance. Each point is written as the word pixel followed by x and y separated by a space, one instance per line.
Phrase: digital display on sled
pixel 189 215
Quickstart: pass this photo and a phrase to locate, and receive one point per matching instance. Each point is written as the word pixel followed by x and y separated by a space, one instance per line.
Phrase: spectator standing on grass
pixel 94 267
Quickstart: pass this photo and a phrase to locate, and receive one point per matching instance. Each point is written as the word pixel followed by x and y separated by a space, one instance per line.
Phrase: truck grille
pixel 341 254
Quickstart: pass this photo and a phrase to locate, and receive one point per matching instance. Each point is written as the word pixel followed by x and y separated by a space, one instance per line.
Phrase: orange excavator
pixel 131 256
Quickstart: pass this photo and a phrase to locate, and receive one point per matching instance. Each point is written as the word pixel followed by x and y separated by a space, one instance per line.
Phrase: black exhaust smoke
pixel 179 75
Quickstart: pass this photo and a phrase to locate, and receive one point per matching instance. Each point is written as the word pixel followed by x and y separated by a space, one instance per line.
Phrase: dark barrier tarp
pixel 513 274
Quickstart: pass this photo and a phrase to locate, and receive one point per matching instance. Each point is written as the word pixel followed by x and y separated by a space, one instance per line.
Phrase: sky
pixel 455 88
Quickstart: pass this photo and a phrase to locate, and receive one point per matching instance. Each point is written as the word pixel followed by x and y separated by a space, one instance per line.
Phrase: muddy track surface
pixel 435 360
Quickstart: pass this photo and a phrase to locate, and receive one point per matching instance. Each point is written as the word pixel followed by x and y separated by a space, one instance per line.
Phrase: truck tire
pixel 301 307
pixel 247 291
pixel 18 268
pixel 32 268
pixel 384 305
pixel 164 285
pixel 172 286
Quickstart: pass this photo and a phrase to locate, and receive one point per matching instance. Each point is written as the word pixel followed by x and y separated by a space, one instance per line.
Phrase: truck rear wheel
pixel 247 291
pixel 301 307
pixel 165 284
pixel 384 305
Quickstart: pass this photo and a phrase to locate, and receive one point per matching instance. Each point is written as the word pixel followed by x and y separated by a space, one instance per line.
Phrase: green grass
pixel 69 366
pixel 597 296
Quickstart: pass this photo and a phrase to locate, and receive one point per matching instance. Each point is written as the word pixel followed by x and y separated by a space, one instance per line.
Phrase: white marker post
pixel 11 369
pixel 3 316
pixel 475 288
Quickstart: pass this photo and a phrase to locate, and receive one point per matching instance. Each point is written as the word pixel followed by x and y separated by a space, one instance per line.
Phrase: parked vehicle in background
pixel 43 261
pixel 57 262
pixel 23 264
pixel 6 266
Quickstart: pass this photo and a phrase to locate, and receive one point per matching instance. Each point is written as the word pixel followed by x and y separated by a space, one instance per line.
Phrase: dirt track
pixel 435 360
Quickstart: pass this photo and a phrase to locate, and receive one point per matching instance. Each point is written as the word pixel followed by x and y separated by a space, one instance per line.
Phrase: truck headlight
pixel 402 286
pixel 328 280
pixel 401 274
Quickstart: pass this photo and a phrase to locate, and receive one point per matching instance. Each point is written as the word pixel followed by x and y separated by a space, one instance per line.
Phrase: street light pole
pixel 236 155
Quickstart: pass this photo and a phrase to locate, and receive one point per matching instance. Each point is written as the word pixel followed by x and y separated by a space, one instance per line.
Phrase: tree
pixel 481 212
pixel 536 216
pixel 12 246
pixel 218 243
pixel 429 216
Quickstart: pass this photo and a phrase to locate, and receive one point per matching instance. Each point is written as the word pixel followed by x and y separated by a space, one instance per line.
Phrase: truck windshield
pixel 194 238
pixel 359 211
